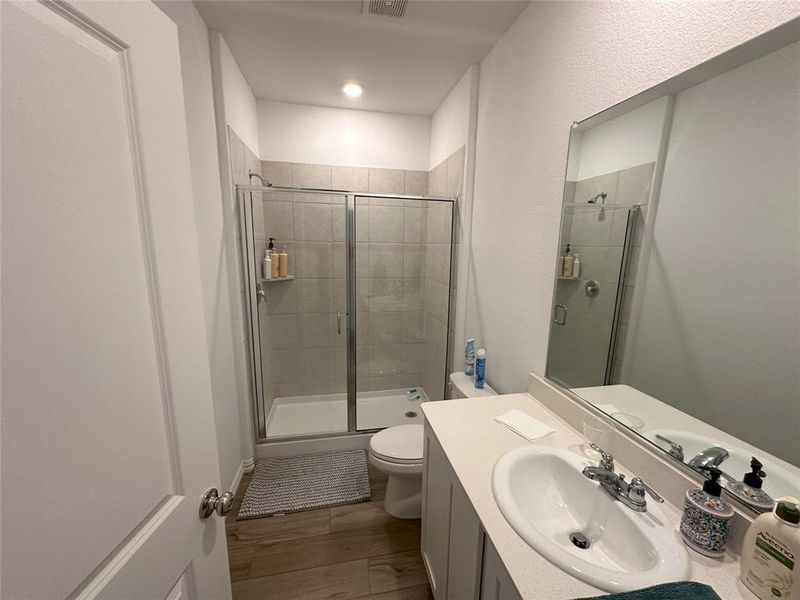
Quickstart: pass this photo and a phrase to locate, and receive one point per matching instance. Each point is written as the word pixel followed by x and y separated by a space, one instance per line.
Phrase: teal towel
pixel 679 590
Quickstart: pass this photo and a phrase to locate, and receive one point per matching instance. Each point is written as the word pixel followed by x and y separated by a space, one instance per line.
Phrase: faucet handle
pixel 675 449
pixel 606 460
pixel 637 489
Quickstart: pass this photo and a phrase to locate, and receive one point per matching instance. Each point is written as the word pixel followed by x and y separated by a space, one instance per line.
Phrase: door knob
pixel 212 502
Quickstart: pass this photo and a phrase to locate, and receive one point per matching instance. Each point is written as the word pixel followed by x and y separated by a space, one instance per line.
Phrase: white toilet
pixel 398 452
pixel 463 386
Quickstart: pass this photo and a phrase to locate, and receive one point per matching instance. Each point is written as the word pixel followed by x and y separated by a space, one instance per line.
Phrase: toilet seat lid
pixel 402 443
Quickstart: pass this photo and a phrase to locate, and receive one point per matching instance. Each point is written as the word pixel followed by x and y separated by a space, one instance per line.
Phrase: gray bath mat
pixel 283 484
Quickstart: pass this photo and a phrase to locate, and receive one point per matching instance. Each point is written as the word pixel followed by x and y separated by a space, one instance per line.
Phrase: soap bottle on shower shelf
pixel 266 265
pixel 576 266
pixel 569 259
pixel 273 254
pixel 283 263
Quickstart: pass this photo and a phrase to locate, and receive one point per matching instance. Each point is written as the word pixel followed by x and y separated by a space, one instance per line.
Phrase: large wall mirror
pixel 676 308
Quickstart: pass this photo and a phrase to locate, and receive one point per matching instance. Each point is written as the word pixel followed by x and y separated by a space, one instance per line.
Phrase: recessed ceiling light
pixel 351 89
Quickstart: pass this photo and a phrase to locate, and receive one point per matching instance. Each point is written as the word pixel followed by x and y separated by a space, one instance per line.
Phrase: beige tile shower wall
pixel 440 277
pixel 302 347
pixel 242 161
pixel 598 236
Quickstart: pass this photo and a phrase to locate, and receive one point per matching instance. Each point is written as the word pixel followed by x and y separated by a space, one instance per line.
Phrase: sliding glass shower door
pixel 353 334
pixel 402 294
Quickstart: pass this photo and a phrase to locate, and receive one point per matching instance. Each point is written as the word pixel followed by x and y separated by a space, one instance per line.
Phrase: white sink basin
pixel 778 482
pixel 545 498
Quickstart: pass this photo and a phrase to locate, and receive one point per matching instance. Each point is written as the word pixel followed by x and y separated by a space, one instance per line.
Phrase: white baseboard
pixel 246 466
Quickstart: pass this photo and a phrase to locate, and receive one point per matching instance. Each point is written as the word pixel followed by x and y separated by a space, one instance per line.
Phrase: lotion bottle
pixel 769 566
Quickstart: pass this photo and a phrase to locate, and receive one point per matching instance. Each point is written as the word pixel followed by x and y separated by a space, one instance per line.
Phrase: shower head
pixel 601 196
pixel 263 181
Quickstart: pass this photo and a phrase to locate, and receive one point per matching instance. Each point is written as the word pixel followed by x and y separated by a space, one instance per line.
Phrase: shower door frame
pixel 243 194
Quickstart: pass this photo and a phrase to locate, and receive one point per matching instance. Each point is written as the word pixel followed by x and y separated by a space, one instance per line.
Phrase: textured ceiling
pixel 301 51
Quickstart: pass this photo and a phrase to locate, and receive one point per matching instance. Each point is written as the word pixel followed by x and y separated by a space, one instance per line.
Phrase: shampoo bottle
pixel 576 266
pixel 771 552
pixel 283 263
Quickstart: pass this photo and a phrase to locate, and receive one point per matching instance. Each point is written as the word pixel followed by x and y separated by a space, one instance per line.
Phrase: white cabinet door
pixel 436 495
pixel 496 583
pixel 108 438
pixel 452 537
pixel 466 547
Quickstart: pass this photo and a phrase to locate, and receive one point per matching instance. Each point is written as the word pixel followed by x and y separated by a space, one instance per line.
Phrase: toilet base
pixel 404 497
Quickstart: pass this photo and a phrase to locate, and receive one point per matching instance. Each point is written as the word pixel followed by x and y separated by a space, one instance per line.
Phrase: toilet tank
pixel 463 386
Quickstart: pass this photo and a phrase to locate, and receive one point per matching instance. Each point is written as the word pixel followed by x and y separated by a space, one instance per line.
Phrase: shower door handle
pixel 563 310
pixel 339 322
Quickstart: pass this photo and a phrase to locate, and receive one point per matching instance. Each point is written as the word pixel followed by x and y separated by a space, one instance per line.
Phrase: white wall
pixel 344 137
pixel 628 140
pixel 557 64
pixel 240 104
pixel 720 303
pixel 450 122
pixel 219 289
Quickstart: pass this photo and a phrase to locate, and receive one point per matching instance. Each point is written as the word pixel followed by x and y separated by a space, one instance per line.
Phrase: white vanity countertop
pixel 473 442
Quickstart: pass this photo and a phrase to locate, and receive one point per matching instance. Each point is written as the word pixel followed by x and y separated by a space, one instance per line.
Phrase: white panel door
pixel 108 438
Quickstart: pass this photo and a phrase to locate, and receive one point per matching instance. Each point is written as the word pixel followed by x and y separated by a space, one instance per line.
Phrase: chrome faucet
pixel 710 457
pixel 675 449
pixel 630 494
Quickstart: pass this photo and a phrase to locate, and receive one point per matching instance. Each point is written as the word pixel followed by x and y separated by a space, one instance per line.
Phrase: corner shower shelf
pixel 276 279
pixel 569 278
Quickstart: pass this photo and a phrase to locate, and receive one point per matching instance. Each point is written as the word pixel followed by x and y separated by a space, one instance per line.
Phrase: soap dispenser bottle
pixel 706 521
pixel 568 260
pixel 273 253
pixel 749 489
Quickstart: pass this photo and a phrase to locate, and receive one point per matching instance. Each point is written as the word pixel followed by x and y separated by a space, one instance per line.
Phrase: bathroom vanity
pixel 469 548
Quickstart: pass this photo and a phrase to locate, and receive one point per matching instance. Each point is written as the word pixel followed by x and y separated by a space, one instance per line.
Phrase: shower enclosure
pixel 355 337
pixel 587 333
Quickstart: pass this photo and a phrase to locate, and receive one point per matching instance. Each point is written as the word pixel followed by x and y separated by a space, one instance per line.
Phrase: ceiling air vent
pixel 388 8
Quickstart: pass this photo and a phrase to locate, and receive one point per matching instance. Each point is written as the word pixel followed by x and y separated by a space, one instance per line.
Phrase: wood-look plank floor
pixel 342 552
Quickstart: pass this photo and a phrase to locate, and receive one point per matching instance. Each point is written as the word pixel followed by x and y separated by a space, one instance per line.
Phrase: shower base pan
pixel 308 415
